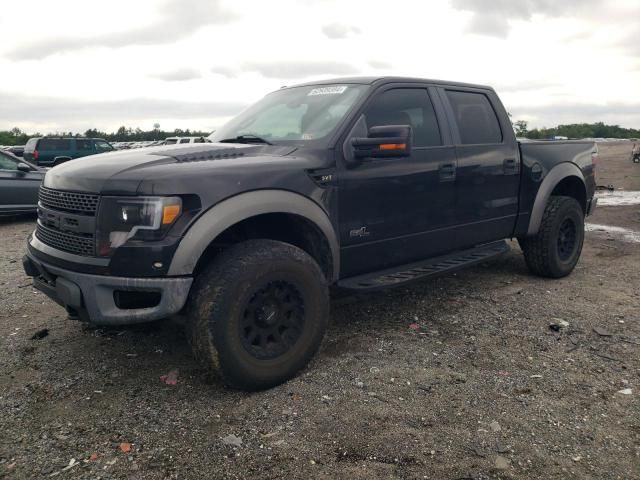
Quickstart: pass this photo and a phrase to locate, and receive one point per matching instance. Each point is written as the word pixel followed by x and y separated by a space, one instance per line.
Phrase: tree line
pixel 16 136
pixel 576 130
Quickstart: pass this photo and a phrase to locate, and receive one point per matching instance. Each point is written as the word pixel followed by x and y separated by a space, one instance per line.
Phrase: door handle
pixel 447 172
pixel 510 165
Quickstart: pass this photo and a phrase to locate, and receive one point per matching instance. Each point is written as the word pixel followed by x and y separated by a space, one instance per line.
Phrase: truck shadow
pixel 153 349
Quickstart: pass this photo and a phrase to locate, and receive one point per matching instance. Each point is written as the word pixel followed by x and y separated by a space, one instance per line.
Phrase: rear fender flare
pixel 235 209
pixel 551 180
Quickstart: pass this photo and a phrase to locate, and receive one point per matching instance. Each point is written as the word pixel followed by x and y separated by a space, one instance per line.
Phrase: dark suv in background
pixel 49 151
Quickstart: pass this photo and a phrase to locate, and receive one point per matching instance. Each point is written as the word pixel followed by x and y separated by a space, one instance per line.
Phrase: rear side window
pixel 84 145
pixel 406 106
pixel 476 119
pixel 31 144
pixel 185 140
pixel 55 145
pixel 170 141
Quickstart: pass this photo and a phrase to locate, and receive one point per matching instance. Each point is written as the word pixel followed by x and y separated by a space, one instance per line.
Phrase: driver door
pixel 397 210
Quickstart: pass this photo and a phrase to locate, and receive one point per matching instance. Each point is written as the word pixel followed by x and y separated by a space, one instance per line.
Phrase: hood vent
pixel 200 157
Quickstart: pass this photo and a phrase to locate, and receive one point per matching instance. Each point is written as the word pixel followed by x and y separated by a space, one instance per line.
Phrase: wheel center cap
pixel 269 314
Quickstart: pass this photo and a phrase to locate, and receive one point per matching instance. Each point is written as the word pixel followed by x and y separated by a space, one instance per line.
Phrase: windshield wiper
pixel 246 139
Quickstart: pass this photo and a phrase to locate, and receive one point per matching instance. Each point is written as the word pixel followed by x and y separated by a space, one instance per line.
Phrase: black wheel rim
pixel 273 320
pixel 567 237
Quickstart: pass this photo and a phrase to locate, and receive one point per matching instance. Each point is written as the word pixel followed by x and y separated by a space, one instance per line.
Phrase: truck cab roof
pixel 388 79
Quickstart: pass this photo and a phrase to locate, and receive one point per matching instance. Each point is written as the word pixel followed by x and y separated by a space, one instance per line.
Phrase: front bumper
pixel 98 298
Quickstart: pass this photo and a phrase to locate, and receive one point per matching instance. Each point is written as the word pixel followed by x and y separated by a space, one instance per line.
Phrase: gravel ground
pixel 459 377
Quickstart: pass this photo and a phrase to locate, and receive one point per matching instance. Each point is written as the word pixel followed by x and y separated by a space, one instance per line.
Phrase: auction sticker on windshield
pixel 334 90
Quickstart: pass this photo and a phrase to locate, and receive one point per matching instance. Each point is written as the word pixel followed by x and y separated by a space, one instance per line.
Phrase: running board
pixel 434 266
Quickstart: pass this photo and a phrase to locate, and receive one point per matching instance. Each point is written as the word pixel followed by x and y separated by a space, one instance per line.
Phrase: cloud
pixel 179 75
pixel 526 85
pixel 336 31
pixel 614 113
pixel 178 19
pixel 379 65
pixel 491 17
pixel 287 70
pixel 228 72
pixel 72 112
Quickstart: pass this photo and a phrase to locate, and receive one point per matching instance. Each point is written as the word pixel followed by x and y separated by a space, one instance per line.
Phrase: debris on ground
pixel 625 391
pixel 602 332
pixel 72 463
pixel 170 378
pixel 40 334
pixel 232 440
pixel 414 326
pixel 502 463
pixel 93 456
pixel 558 324
pixel 124 447
pixel 495 426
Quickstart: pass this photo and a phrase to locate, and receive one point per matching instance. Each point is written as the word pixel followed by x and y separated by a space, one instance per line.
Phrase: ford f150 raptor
pixel 355 184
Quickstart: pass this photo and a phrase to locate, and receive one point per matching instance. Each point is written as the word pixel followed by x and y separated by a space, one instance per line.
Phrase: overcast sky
pixel 70 65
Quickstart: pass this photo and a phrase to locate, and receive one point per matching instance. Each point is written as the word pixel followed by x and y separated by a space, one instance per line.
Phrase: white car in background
pixel 180 140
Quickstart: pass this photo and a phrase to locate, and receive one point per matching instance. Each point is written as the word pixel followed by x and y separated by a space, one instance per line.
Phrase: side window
pixel 103 146
pixel 83 144
pixel 476 119
pixel 7 163
pixel 199 140
pixel 55 145
pixel 185 140
pixel 406 106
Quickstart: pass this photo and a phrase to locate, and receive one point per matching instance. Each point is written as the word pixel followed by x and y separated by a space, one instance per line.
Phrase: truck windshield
pixel 298 114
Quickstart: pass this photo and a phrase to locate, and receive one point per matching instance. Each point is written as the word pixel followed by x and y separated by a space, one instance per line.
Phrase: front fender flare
pixel 240 207
pixel 551 180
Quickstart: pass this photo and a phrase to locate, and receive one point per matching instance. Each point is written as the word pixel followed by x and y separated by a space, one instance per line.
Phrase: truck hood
pixel 171 169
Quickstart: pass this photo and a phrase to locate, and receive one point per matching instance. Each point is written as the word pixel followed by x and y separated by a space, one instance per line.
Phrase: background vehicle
pixel 358 184
pixel 174 140
pixel 19 184
pixel 17 150
pixel 50 151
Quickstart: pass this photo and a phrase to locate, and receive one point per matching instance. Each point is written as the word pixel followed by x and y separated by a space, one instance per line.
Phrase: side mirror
pixel 384 142
pixel 23 167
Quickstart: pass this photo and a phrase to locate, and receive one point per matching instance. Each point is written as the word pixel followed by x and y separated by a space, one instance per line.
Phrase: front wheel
pixel 555 250
pixel 258 313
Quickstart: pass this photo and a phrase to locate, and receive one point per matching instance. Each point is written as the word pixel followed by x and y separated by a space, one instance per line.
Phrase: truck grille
pixel 66 220
pixel 82 203
pixel 80 244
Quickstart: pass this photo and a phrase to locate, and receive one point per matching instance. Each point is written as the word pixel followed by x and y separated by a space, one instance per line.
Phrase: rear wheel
pixel 555 250
pixel 258 313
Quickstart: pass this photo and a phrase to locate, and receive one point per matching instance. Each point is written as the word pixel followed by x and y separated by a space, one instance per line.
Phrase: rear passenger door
pixel 83 147
pixel 50 149
pixel 488 170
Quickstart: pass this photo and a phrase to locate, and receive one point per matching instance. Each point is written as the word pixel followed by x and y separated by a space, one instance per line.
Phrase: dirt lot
pixel 459 377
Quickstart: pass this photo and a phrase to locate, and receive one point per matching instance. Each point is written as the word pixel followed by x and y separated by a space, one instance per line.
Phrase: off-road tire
pixel 228 287
pixel 545 253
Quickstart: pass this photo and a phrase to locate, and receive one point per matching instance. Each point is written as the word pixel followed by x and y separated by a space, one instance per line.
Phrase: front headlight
pixel 139 218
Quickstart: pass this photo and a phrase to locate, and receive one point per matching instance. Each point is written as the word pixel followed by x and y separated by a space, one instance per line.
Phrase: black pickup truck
pixel 355 184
